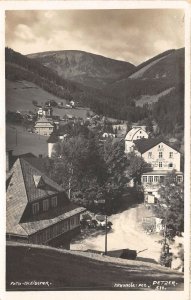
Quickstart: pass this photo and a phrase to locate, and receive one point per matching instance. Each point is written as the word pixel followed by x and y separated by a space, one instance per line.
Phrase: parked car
pixel 100 220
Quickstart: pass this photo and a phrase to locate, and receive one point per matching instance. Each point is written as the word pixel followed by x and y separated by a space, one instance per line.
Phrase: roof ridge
pixel 151 143
pixel 21 159
pixel 48 181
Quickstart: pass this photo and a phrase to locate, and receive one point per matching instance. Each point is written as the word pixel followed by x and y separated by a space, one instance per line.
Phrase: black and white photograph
pixel 95 149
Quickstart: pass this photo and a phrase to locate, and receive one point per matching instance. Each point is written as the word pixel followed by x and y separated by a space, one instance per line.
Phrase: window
pixel 156 179
pixel 55 230
pixel 170 165
pixel 77 220
pixel 66 225
pixel 179 179
pixel 54 201
pixel 45 205
pixel 144 178
pixel 150 179
pixel 160 164
pixel 72 221
pixel 170 154
pixel 149 154
pixel 160 154
pixel 35 208
pixel 39 238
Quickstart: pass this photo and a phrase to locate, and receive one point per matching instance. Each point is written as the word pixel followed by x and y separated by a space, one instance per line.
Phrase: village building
pixel 54 138
pixel 133 135
pixel 106 135
pixel 47 111
pixel 38 209
pixel 43 126
pixel 72 103
pixel 120 129
pixel 163 158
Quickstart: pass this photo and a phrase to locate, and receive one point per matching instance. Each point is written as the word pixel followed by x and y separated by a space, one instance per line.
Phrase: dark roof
pixel 16 200
pixel 33 192
pixel 22 189
pixel 144 145
pixel 53 138
pixel 28 184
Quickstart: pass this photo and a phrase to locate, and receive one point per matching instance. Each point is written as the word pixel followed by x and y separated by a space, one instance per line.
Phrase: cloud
pixel 132 35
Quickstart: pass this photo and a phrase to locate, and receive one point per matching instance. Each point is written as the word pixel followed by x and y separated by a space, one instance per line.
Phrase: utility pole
pixel 106 234
pixel 70 181
pixel 16 136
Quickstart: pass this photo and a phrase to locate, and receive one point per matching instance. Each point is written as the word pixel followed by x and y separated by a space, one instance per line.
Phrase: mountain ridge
pixel 125 100
pixel 87 68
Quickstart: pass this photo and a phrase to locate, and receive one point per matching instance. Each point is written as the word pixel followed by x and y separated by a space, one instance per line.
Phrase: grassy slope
pixel 19 96
pixel 67 271
pixel 21 141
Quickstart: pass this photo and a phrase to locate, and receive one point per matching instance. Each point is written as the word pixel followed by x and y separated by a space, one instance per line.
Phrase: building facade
pixel 53 139
pixel 133 135
pixel 163 158
pixel 43 126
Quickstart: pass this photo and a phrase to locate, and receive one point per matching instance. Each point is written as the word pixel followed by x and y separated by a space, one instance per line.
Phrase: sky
pixel 130 35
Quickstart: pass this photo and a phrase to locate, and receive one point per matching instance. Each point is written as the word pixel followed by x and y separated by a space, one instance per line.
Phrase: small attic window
pixel 38 180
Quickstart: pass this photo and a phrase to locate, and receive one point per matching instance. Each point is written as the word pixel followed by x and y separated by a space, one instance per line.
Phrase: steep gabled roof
pixel 37 192
pixel 53 138
pixel 16 200
pixel 43 122
pixel 24 187
pixel 130 134
pixel 144 145
pixel 38 180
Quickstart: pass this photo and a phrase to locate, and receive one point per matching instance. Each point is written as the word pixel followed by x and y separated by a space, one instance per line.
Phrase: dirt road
pixel 126 233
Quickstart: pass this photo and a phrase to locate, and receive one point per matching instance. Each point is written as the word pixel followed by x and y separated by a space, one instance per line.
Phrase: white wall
pixel 129 145
pixel 152 157
pixel 50 149
pixel 140 134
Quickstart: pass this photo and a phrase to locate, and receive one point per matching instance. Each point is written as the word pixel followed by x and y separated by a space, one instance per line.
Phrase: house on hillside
pixel 120 129
pixel 163 158
pixel 43 126
pixel 46 111
pixel 106 135
pixel 136 133
pixel 38 210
